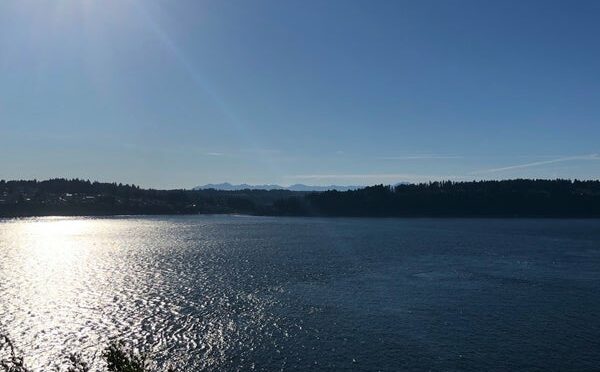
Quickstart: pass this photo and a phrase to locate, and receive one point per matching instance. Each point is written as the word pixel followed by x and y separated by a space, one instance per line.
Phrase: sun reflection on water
pixel 52 243
pixel 53 275
pixel 182 288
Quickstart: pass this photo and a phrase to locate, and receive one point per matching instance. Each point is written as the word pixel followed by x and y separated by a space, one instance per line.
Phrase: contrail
pixel 538 163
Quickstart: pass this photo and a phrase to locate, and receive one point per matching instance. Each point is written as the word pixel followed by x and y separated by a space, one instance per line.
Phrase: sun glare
pixel 51 270
pixel 54 245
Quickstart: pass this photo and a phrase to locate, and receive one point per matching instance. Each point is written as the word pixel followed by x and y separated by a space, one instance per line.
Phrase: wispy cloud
pixel 262 151
pixel 420 157
pixel 538 163
pixel 215 153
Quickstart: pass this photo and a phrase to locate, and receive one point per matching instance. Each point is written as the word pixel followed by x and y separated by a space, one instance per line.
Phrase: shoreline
pixel 411 217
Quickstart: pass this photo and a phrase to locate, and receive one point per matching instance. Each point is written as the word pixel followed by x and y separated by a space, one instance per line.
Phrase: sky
pixel 174 94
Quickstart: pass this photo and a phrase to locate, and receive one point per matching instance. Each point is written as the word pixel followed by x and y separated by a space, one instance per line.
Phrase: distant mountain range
pixel 297 187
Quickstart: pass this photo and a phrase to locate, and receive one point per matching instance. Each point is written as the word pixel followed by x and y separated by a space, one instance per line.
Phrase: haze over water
pixel 237 293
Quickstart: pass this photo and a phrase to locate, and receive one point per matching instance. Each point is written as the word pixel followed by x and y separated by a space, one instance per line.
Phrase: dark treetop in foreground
pixel 510 198
pixel 116 357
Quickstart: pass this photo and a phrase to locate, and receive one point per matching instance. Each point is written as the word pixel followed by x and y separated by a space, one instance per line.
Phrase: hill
pixel 508 198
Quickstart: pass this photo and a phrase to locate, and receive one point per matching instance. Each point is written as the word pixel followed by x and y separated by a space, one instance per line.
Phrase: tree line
pixel 507 198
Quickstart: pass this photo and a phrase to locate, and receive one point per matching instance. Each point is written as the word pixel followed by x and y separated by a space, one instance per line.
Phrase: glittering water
pixel 236 293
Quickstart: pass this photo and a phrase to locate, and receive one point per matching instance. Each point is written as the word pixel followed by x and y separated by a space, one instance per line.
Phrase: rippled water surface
pixel 238 293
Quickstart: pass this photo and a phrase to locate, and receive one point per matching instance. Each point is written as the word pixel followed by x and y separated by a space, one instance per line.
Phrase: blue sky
pixel 180 93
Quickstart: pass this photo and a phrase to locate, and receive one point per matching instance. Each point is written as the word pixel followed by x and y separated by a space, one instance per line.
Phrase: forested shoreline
pixel 507 198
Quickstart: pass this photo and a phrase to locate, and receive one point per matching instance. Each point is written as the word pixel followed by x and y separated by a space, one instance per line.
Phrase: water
pixel 238 293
